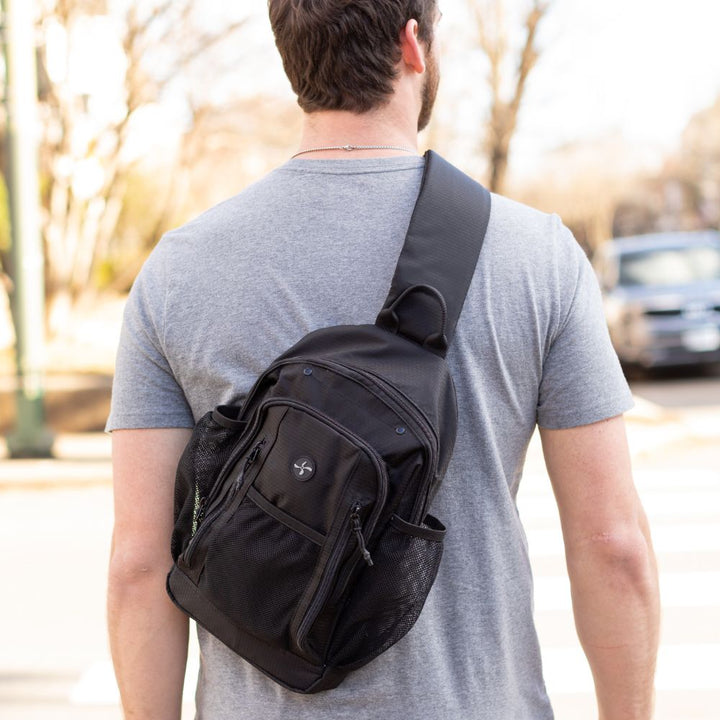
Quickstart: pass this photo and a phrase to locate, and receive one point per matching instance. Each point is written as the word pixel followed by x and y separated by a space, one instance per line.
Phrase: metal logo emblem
pixel 303 468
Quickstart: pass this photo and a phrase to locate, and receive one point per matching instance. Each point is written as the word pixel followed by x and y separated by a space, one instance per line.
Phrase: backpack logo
pixel 303 469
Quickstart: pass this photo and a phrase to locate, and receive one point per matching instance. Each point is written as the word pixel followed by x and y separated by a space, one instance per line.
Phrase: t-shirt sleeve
pixel 582 381
pixel 145 392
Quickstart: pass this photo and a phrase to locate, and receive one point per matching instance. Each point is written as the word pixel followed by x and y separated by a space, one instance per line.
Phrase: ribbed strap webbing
pixel 443 242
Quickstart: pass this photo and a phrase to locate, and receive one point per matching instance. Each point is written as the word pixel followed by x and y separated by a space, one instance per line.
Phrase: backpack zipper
pixel 353 527
pixel 351 522
pixel 404 402
pixel 221 500
pixel 418 510
pixel 402 399
pixel 357 530
pixel 198 511
pixel 219 497
pixel 206 503
pixel 219 503
pixel 349 372
pixel 344 579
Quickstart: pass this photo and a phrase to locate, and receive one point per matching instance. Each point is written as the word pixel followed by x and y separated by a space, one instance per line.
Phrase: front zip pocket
pixel 257 569
pixel 389 596
pixel 211 444
pixel 217 502
pixel 269 551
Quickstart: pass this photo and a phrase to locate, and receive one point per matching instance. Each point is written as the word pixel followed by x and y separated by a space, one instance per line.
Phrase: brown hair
pixel 343 54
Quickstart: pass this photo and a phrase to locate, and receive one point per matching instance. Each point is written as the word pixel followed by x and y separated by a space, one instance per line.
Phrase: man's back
pixel 313 245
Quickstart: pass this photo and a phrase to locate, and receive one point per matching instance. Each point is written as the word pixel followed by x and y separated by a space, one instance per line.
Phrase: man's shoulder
pixel 514 210
pixel 523 232
pixel 249 199
pixel 221 228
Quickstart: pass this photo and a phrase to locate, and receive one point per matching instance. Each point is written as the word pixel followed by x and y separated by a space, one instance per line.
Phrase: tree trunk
pixel 493 37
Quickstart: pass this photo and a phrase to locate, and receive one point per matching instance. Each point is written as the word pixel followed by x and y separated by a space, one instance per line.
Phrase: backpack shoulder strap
pixel 438 260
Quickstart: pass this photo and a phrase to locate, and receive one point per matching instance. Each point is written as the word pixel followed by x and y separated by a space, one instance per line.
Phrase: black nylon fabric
pixel 394 358
pixel 406 563
pixel 209 449
pixel 302 539
pixel 441 249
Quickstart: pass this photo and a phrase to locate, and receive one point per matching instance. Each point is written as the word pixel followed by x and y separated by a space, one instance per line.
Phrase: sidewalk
pixel 81 460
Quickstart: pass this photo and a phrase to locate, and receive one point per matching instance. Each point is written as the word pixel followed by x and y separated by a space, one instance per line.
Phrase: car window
pixel 670 266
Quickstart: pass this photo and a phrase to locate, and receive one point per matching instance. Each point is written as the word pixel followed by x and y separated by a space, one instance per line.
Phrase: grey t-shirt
pixel 315 244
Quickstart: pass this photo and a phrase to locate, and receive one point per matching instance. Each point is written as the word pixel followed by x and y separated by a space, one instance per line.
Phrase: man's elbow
pixel 622 555
pixel 613 578
pixel 135 564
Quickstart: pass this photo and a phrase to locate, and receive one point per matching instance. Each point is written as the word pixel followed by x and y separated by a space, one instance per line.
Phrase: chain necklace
pixel 350 148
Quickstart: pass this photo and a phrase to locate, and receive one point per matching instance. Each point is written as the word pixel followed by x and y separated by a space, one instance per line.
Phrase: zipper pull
pixel 202 505
pixel 357 529
pixel 199 513
pixel 251 458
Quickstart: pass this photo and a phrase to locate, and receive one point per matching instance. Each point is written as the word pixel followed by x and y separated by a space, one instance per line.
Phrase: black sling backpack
pixel 302 536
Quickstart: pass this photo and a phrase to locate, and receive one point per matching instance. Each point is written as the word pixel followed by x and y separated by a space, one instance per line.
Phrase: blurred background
pixel 124 118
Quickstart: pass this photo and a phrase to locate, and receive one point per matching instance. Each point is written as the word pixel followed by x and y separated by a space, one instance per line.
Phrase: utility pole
pixel 31 437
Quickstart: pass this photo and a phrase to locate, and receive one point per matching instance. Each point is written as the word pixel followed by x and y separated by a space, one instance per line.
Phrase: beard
pixel 429 91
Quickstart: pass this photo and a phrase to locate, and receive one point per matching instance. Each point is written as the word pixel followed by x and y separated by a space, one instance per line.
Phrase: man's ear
pixel 413 53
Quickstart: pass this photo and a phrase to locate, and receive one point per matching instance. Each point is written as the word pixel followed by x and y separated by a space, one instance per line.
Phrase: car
pixel 661 294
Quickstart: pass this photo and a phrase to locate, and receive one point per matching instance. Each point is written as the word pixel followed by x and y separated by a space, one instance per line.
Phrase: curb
pixel 54 474
pixel 81 460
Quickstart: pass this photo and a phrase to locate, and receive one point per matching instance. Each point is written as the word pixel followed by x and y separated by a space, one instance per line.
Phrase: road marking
pixel 680 667
pixel 671 538
pixel 536 485
pixel 677 590
pixel 97 686
pixel 661 506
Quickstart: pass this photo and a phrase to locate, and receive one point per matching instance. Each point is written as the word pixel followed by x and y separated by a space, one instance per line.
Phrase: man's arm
pixel 610 562
pixel 148 634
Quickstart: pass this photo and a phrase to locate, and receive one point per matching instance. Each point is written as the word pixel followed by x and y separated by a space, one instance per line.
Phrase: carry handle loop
pixel 389 319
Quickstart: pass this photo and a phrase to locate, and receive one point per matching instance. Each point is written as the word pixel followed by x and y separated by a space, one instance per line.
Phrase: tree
pixel 507 89
pixel 696 166
pixel 586 183
pixel 102 64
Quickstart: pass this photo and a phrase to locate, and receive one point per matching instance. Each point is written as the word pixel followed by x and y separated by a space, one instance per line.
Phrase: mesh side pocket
pixel 256 572
pixel 387 598
pixel 204 456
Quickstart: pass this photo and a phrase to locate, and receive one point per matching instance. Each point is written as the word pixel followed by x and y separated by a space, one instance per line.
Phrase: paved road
pixel 55 536
pixel 680 387
pixel 676 448
pixel 680 488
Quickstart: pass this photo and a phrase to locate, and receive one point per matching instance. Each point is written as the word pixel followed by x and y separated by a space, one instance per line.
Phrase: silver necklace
pixel 350 148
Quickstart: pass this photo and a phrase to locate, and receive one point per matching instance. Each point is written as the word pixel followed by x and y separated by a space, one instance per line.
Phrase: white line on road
pixel 677 590
pixel 680 667
pixel 97 687
pixel 658 505
pixel 675 538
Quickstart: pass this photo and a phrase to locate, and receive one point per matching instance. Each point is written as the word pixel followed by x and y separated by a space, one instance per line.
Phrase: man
pixel 315 244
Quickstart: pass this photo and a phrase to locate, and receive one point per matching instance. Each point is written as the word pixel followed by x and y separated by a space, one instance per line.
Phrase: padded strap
pixel 438 260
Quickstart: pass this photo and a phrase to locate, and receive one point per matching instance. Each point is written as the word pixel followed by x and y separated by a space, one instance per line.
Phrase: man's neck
pixel 338 128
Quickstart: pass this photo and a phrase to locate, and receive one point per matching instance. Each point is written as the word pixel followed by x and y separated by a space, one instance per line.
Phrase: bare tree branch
pixel 493 37
pixel 80 230
pixel 207 42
